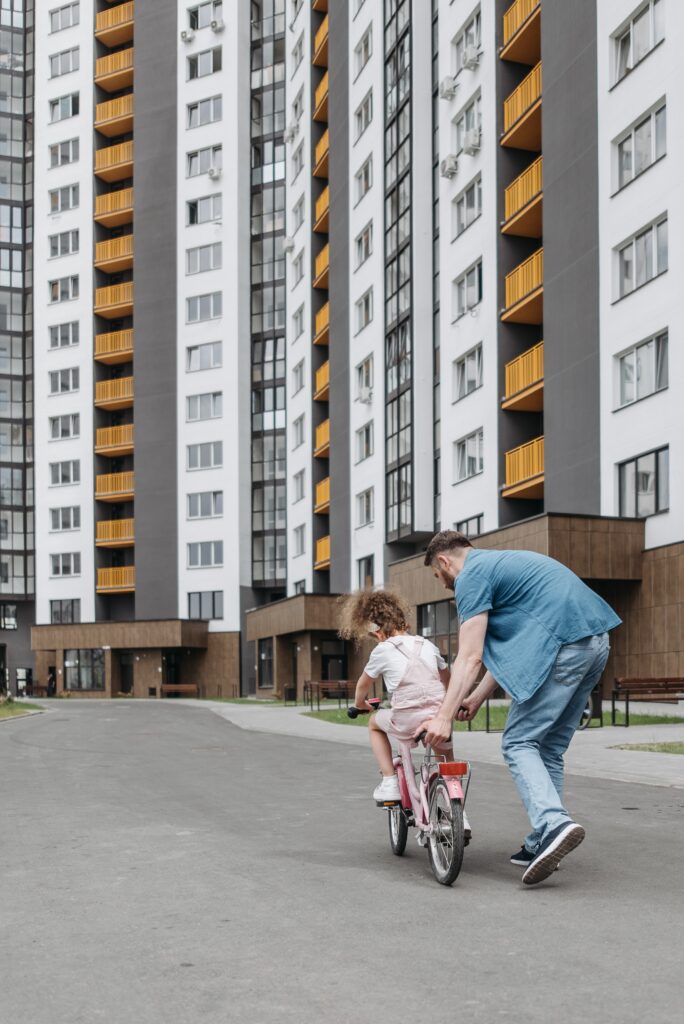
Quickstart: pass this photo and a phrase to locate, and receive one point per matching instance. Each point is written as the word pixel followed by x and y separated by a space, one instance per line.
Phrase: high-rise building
pixel 313 279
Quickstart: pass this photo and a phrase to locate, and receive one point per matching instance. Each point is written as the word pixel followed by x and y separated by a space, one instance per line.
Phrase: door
pixel 3 668
pixel 126 672
pixel 333 660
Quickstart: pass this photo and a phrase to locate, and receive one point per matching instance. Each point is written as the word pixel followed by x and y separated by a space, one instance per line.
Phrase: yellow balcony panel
pixel 115 301
pixel 523 203
pixel 114 163
pixel 322 211
pixel 522 32
pixel 118 580
pixel 321 268
pixel 322 391
pixel 525 381
pixel 112 209
pixel 115 441
pixel 321 99
pixel 522 113
pixel 525 471
pixel 115 26
pixel 322 443
pixel 114 394
pixel 525 292
pixel 115 533
pixel 115 254
pixel 320 5
pixel 322 553
pixel 115 486
pixel 322 501
pixel 115 117
pixel 320 46
pixel 114 347
pixel 322 335
pixel 321 154
pixel 115 71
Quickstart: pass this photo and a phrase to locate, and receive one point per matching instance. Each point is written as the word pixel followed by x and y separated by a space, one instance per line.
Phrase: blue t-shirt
pixel 535 605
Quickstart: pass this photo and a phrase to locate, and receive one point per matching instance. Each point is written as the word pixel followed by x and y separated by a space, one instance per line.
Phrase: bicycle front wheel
pixel 398 830
pixel 446 843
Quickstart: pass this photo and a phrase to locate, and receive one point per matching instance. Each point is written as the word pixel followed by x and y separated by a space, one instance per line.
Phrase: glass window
pixel 84 670
pixel 644 484
pixel 643 370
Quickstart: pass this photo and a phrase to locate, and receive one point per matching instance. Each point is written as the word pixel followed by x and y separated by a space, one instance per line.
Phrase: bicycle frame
pixel 414 797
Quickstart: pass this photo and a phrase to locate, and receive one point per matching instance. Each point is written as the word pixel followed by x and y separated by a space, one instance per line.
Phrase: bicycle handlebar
pixel 354 712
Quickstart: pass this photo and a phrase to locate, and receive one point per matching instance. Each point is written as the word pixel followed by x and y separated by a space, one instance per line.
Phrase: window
pixel 641 146
pixel 466 207
pixel 298 486
pixel 205 112
pixel 205 604
pixel 64 199
pixel 205 63
pixel 205 456
pixel 363 50
pixel 364 179
pixel 364 377
pixel 366 568
pixel 265 662
pixel 200 161
pixel 298 160
pixel 67 518
pixel 364 310
pixel 64 289
pixel 204 407
pixel 298 377
pixel 467 291
pixel 470 36
pixel 64 473
pixel 644 484
pixel 204 307
pixel 363 115
pixel 642 258
pixel 296 8
pixel 364 245
pixel 298 105
pixel 64 335
pixel 201 211
pixel 64 107
pixel 645 29
pixel 364 441
pixel 64 153
pixel 62 381
pixel 202 15
pixel 298 432
pixel 202 258
pixel 297 54
pixel 470 119
pixel 64 62
pixel 299 587
pixel 468 456
pixel 65 611
pixel 64 427
pixel 299 540
pixel 207 356
pixel 205 554
pixel 468 373
pixel 84 670
pixel 643 370
pixel 298 268
pixel 298 213
pixel 298 322
pixel 64 17
pixel 68 564
pixel 364 507
pixel 205 505
pixel 63 244
pixel 8 616
pixel 470 527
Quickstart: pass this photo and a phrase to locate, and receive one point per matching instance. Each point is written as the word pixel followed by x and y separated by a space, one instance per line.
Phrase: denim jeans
pixel 539 730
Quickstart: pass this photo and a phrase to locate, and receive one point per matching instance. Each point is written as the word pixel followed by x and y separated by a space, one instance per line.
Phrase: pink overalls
pixel 417 698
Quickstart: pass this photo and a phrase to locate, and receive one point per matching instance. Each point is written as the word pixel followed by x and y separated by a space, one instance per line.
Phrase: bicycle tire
pixel 586 716
pixel 398 830
pixel 446 843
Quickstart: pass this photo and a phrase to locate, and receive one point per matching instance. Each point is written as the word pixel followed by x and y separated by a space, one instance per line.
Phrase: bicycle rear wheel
pixel 398 829
pixel 446 842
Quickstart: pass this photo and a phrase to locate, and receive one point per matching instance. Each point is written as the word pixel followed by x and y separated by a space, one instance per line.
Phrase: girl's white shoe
pixel 387 791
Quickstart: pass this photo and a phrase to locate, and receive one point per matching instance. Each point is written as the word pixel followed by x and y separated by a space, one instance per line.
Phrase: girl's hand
pixel 364 706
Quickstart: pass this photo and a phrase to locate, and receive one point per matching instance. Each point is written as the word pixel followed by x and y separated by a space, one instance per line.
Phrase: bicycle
pixel 432 801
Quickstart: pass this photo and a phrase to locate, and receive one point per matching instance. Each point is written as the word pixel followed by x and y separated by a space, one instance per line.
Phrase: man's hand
pixel 438 730
pixel 469 708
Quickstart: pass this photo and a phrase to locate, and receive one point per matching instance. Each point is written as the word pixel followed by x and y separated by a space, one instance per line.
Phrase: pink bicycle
pixel 433 796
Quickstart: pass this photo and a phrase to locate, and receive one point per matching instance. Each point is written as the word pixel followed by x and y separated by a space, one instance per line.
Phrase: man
pixel 542 635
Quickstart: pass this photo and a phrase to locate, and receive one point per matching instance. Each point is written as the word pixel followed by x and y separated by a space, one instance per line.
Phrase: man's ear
pixel 442 561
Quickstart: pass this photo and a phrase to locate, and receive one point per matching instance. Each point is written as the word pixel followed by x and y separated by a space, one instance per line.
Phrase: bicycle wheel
pixel 446 842
pixel 586 716
pixel 398 830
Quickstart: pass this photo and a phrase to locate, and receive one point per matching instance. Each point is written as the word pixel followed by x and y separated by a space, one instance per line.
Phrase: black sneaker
pixel 523 858
pixel 558 843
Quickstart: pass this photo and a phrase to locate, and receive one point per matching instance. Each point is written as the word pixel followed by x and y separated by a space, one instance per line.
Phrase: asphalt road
pixel 160 865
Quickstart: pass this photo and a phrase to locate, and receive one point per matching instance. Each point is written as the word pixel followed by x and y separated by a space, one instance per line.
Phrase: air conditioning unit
pixel 288 244
pixel 290 132
pixel 365 395
pixel 471 57
pixel 217 25
pixel 214 173
pixel 471 143
pixel 187 35
pixel 448 168
pixel 447 88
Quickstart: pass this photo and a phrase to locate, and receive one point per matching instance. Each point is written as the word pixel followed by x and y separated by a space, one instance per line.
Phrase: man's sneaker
pixel 523 858
pixel 559 842
pixel 388 791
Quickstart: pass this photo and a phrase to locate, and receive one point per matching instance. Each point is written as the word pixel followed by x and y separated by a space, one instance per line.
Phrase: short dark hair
pixel 443 542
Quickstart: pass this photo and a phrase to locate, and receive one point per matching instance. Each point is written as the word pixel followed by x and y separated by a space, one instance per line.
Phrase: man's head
pixel 446 554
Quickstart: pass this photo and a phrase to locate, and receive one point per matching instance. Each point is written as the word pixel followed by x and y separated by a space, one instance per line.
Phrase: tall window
pixel 299 540
pixel 467 207
pixel 363 115
pixel 205 63
pixel 643 257
pixel 364 442
pixel 467 291
pixel 84 670
pixel 364 179
pixel 644 30
pixel 364 507
pixel 468 454
pixel 468 373
pixel 469 119
pixel 364 310
pixel 364 245
pixel 65 611
pixel 641 146
pixel 469 38
pixel 644 484
pixel 363 50
pixel 366 570
pixel 364 378
pixel 643 370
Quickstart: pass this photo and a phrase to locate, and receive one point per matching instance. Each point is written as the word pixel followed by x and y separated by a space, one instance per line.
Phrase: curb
pixel 25 714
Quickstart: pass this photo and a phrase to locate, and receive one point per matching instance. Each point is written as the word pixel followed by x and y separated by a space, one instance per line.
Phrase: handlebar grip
pixel 354 712
pixel 421 735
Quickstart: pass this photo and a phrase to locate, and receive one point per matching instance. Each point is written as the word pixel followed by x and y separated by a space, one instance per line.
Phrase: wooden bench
pixel 662 688
pixel 343 689
pixel 180 689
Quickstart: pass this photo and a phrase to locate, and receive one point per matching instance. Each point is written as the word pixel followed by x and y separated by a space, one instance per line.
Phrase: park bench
pixel 664 688
pixel 342 689
pixel 180 689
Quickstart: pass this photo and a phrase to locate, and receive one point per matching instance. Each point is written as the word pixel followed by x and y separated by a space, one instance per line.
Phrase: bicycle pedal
pixel 388 803
pixel 422 839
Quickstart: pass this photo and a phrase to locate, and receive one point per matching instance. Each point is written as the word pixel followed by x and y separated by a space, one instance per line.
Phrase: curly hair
pixel 388 611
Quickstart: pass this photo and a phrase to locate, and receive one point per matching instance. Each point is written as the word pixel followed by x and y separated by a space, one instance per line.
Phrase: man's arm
pixel 464 673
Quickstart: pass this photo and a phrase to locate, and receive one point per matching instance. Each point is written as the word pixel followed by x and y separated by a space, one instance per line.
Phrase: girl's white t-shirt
pixel 390 663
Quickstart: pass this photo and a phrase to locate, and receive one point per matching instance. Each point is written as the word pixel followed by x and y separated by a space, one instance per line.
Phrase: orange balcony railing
pixel 322 500
pixel 516 16
pixel 115 533
pixel 117 580
pixel 322 553
pixel 321 154
pixel 527 277
pixel 114 301
pixel 322 209
pixel 115 71
pixel 525 464
pixel 322 386
pixel 115 26
pixel 322 325
pixel 113 163
pixel 320 46
pixel 114 208
pixel 321 268
pixel 321 99
pixel 322 442
pixel 115 117
pixel 115 486
pixel 523 189
pixel 115 441
pixel 114 254
pixel 114 347
pixel 114 394
pixel 523 97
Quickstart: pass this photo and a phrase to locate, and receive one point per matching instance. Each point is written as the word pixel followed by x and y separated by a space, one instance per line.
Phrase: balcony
pixel 321 268
pixel 525 292
pixel 115 301
pixel 114 163
pixel 525 381
pixel 320 5
pixel 115 26
pixel 321 156
pixel 112 442
pixel 322 500
pixel 522 113
pixel 320 47
pixel 322 553
pixel 115 533
pixel 115 117
pixel 114 347
pixel 112 209
pixel 120 580
pixel 322 443
pixel 525 471
pixel 322 335
pixel 322 387
pixel 523 203
pixel 115 254
pixel 115 71
pixel 115 486
pixel 522 32
pixel 114 394
pixel 321 99
pixel 322 210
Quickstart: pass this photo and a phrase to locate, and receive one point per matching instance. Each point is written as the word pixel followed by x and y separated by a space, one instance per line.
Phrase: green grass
pixel 15 709
pixel 244 700
pixel 657 748
pixel 497 719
